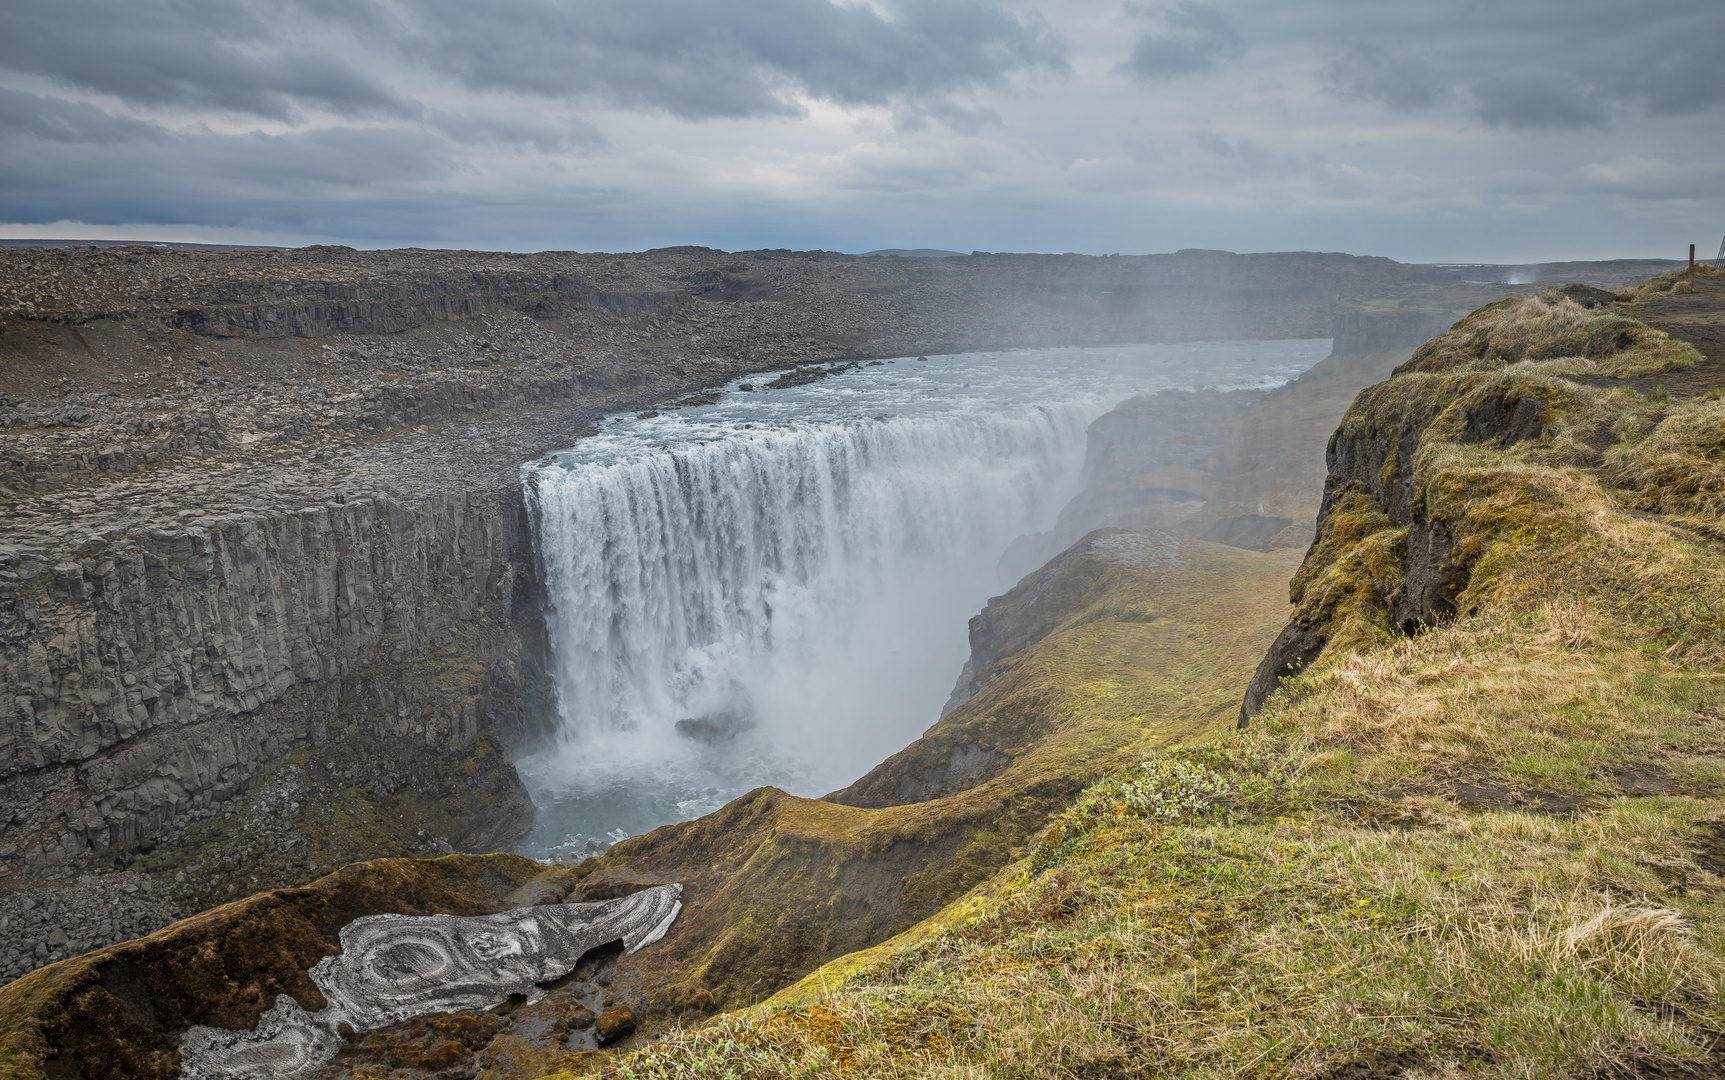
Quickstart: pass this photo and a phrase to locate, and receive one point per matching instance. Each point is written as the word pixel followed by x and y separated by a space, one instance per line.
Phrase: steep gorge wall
pixel 1242 467
pixel 1407 516
pixel 158 674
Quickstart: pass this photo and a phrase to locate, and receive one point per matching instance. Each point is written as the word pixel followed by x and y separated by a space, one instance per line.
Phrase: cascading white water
pixel 790 572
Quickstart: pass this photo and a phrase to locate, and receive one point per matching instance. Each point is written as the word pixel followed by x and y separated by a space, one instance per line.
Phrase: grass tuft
pixel 1551 326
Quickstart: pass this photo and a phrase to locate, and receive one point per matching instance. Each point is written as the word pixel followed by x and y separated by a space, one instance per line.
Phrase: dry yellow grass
pixel 1490 850
pixel 1550 326
pixel 1339 901
pixel 1679 467
pixel 1676 283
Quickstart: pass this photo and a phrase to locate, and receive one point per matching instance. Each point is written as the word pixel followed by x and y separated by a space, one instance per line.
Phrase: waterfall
pixel 776 589
pixel 702 580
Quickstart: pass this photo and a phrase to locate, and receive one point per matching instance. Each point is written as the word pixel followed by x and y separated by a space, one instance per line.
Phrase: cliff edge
pixel 1476 834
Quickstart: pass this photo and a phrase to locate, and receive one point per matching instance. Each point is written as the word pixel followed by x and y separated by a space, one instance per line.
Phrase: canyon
pixel 262 503
pixel 271 603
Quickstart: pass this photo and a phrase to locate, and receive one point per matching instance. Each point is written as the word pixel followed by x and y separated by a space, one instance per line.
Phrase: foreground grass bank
pixel 1491 848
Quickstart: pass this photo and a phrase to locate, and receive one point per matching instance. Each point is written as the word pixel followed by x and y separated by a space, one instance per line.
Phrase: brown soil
pixel 1486 795
pixel 1643 1064
pixel 1697 317
pixel 1384 1065
pixel 1645 780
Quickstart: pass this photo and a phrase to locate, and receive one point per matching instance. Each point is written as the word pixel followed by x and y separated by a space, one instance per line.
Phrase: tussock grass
pixel 1550 326
pixel 1313 891
pixel 1279 948
pixel 1679 466
pixel 1676 283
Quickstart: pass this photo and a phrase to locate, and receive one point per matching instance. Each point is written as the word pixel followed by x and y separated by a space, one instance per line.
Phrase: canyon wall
pixel 1241 467
pixel 262 508
pixel 157 673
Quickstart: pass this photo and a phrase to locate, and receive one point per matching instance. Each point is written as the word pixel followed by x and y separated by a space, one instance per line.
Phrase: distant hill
pixel 916 253
pixel 168 245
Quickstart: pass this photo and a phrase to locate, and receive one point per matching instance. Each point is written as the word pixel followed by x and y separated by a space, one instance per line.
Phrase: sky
pixel 1430 131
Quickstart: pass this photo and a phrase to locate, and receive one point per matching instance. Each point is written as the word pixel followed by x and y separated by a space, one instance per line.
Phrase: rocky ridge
pixel 1499 378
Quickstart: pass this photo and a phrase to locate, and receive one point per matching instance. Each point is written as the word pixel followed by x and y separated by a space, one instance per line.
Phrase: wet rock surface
pixel 120 1011
pixel 393 968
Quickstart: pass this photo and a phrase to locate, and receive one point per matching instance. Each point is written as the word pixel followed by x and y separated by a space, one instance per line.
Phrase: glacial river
pixel 791 572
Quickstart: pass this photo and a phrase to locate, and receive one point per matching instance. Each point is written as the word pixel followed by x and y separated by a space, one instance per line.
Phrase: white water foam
pixel 794 569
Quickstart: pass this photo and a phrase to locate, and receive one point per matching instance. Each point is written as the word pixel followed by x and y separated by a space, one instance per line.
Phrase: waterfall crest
pixel 775 588
pixel 681 580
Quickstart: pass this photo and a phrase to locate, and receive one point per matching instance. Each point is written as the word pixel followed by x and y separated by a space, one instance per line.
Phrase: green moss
pixel 1356 566
pixel 1678 467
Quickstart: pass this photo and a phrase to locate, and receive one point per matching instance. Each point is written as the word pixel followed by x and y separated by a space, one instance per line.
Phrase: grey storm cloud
pixel 1530 65
pixel 891 122
pixel 698 59
pixel 57 120
pixel 692 58
pixel 1192 38
pixel 223 54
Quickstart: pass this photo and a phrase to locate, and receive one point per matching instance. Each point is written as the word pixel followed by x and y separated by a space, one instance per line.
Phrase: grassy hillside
pixel 1130 642
pixel 1482 831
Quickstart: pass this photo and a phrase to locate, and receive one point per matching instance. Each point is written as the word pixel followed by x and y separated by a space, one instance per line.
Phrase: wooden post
pixel 1691 266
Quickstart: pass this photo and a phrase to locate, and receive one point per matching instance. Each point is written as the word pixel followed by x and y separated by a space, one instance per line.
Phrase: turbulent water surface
pixel 774 588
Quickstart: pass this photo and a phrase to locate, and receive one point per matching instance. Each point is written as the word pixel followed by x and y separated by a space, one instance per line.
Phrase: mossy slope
pixel 1478 837
pixel 1137 641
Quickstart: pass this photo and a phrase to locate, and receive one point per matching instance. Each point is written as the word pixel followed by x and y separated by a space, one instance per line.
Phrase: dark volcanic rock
pixel 717 728
pixel 1292 650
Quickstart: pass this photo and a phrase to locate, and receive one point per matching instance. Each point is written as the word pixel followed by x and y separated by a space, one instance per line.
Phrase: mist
pixel 774 588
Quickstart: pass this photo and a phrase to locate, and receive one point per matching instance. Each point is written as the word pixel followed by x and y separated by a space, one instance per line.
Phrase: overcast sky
pixel 1436 130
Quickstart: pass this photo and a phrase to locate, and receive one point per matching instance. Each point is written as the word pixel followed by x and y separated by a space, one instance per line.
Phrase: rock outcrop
pixel 1241 467
pixel 392 968
pixel 159 674
pixel 120 1011
pixel 1398 539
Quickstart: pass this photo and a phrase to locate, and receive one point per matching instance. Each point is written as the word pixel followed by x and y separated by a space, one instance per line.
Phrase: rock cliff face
pixel 1372 463
pixel 1242 467
pixel 159 673
pixel 1398 539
